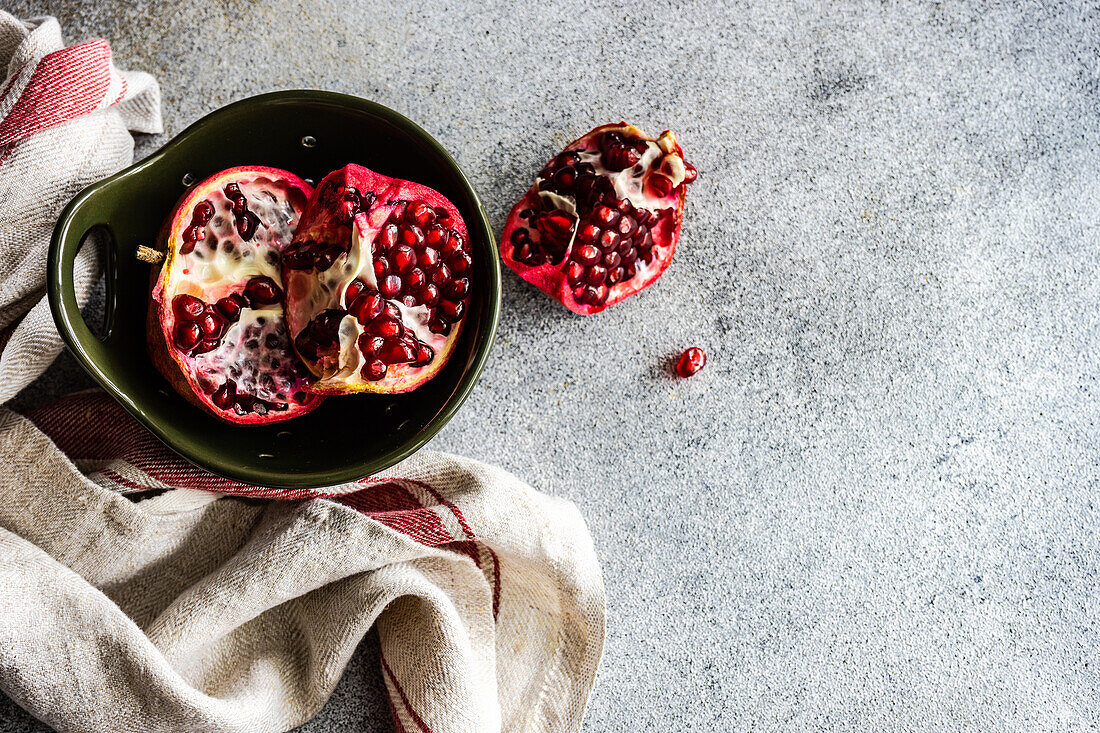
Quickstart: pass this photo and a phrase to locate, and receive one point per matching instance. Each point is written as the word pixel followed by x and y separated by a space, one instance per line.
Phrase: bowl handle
pixel 85 215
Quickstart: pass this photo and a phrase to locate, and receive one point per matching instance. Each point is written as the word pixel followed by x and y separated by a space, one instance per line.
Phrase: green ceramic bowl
pixel 309 133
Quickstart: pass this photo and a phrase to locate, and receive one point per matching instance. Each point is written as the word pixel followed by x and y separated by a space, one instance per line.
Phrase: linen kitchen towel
pixel 135 595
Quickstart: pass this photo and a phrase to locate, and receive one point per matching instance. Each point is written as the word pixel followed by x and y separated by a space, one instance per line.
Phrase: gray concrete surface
pixel 876 508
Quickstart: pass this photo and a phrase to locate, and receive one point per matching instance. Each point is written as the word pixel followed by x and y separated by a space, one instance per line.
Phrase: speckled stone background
pixel 877 507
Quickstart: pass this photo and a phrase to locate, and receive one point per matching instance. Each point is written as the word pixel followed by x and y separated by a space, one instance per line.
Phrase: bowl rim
pixel 65 313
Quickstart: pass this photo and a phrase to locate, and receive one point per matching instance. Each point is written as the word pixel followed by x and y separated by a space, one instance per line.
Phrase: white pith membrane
pixel 660 156
pixel 312 293
pixel 255 351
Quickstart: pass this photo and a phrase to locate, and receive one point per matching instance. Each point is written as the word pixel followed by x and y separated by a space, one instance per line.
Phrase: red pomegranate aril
pixel 629 271
pixel 194 233
pixel 385 326
pixel 587 254
pixel 429 294
pixel 691 361
pixel 438 325
pixel 246 225
pixel 440 275
pixel 412 235
pixel 690 173
pixel 609 240
pixel 206 345
pixel 457 288
pixel 404 258
pixel 370 345
pixel 390 286
pixel 210 324
pixel 435 235
pixel 596 275
pixel 660 184
pixel 615 275
pixel 187 307
pixel 574 273
pixel 263 290
pixel 204 210
pixel 374 370
pixel 629 257
pixel 397 352
pixel 355 287
pixel 454 245
pixel 451 310
pixel 366 307
pixel 229 308
pixel 391 311
pixel 414 279
pixel 387 238
pixel 187 335
pixel 627 226
pixel 381 267
pixel 419 213
pixel 424 355
pixel 460 263
pixel 589 232
pixel 557 225
pixel 605 215
pixel 225 396
pixel 428 258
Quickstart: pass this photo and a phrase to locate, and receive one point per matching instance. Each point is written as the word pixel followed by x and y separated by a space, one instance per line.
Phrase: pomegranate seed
pixel 387 238
pixel 606 216
pixel 210 324
pixel 412 235
pixel 589 232
pixel 187 335
pixel 442 213
pixel 232 191
pixel 565 178
pixel 615 275
pixel 419 213
pixel 397 352
pixel 262 290
pixel 587 254
pixel 438 325
pixel 458 288
pixel 392 311
pixel 452 311
pixel 609 240
pixel 629 256
pixel 429 258
pixel 385 327
pixel 194 233
pixel 229 308
pixel 424 355
pixel 455 245
pixel 440 275
pixel 574 272
pixel 557 225
pixel 629 271
pixel 370 345
pixel 381 268
pixel 404 258
pixel 246 225
pixel 690 173
pixel 611 259
pixel 429 294
pixel 691 361
pixel 619 158
pixel 225 396
pixel 660 185
pixel 415 279
pixel 367 307
pixel 596 274
pixel 187 307
pixel 205 346
pixel 627 226
pixel 374 370
pixel 390 286
pixel 354 288
pixel 203 212
pixel 435 235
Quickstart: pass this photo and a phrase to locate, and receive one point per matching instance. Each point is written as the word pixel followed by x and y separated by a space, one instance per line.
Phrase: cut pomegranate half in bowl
pixel 309 134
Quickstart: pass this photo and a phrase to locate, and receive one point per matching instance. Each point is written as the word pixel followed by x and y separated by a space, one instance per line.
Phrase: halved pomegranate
pixel 378 282
pixel 602 219
pixel 215 321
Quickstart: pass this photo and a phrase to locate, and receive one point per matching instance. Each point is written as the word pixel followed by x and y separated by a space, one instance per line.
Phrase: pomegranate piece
pixel 691 361
pixel 216 325
pixel 602 219
pixel 377 283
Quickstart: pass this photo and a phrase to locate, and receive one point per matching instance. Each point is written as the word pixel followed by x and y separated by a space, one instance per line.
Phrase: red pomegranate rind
pixel 602 219
pixel 215 320
pixel 378 283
